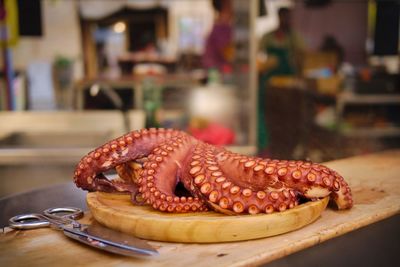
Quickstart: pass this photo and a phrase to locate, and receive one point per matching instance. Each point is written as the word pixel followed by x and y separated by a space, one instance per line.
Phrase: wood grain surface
pixel 117 212
pixel 373 178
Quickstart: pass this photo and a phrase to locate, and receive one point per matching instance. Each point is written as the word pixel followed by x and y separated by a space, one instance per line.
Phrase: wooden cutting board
pixel 376 187
pixel 117 212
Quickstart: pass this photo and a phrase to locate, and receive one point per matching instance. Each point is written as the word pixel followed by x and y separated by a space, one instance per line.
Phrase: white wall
pixel 61 36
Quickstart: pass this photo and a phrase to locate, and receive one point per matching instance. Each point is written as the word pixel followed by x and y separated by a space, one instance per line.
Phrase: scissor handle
pixel 29 221
pixel 70 213
pixel 53 216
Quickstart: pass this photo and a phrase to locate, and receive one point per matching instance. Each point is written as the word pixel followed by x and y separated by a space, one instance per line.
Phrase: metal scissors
pixel 95 235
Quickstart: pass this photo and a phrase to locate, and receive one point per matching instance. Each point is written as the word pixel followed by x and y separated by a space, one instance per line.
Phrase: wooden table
pixel 376 186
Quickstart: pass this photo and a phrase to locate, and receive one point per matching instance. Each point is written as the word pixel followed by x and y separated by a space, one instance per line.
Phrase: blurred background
pixel 306 79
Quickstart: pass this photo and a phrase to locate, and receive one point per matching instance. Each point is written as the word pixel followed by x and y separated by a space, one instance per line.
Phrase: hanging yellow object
pixel 9 25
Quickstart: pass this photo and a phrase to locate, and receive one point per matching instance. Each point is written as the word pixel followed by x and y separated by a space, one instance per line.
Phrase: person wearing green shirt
pixel 283 48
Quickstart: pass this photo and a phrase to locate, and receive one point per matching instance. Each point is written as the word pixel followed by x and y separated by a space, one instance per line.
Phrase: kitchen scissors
pixel 95 235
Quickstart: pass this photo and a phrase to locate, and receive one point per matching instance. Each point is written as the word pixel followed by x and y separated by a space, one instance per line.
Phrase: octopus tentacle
pixel 313 181
pixel 136 144
pixel 161 174
pixel 224 190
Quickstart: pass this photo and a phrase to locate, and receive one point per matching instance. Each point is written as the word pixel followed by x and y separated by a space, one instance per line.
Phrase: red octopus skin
pixel 216 178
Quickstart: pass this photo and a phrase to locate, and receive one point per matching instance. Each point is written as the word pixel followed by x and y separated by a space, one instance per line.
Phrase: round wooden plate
pixel 117 212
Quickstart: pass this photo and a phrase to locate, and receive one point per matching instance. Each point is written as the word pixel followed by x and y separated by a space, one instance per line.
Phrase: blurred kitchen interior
pixel 322 85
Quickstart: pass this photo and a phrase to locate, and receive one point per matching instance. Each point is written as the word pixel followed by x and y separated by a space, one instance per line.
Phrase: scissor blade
pixel 113 241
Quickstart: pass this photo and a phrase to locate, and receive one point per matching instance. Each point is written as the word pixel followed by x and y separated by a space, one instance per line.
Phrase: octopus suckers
pixel 213 168
pixel 213 197
pixel 205 188
pixel 170 208
pixel 336 185
pixel 194 163
pixel 226 185
pixel 247 192
pixel 216 174
pixel 258 168
pixel 199 179
pixel 195 170
pixel 274 195
pixel 220 179
pixel 122 143
pixel 238 207
pixel 282 171
pixel 269 209
pixel 249 164
pixel 311 177
pixel 326 181
pixel 243 160
pixel 269 170
pixel 261 195
pixel 224 203
pixel 234 189
pixel 282 207
pixel 296 174
pixel 253 209
pixel 153 165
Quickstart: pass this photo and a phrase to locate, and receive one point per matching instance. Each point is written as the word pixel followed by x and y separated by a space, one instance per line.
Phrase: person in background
pixel 218 53
pixel 331 45
pixel 283 48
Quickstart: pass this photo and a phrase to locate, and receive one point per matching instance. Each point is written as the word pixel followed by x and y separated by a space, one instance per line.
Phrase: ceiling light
pixel 119 27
